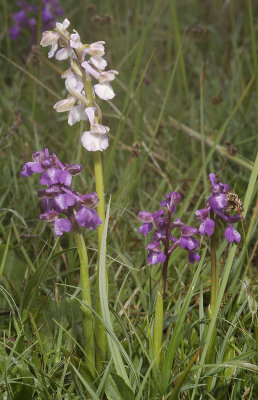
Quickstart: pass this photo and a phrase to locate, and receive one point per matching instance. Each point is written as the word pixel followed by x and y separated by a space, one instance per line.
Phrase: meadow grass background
pixel 188 79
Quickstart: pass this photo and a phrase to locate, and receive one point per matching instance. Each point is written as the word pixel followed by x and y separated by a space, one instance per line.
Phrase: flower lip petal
pixel 62 225
pixel 94 141
pixel 145 228
pixel 231 234
pixel 88 217
pixel 207 226
pixel 156 257
pixel 218 202
pixel 98 62
pixel 104 91
pixel 193 256
pixel 31 167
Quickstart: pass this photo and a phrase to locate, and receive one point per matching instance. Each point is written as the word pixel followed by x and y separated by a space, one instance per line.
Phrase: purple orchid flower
pixel 219 206
pixel 58 198
pixel 163 227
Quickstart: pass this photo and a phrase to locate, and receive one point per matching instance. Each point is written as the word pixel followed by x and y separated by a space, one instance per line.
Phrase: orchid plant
pixel 68 210
pixel 164 243
pixel 86 79
pixel 219 207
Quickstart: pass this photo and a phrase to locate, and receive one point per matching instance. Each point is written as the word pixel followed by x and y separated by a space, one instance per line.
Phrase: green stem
pixel 214 294
pixel 87 324
pixel 100 337
pixel 158 326
pixel 214 273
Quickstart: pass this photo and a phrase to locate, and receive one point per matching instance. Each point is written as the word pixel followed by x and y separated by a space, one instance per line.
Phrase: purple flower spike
pixel 27 17
pixel 160 220
pixel 57 198
pixel 219 206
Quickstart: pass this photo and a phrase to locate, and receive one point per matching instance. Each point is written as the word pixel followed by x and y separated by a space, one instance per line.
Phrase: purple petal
pixel 154 246
pixel 172 199
pixel 48 204
pixel 20 17
pixel 207 226
pixel 145 228
pixel 188 230
pixel 53 175
pixel 145 216
pixel 14 32
pixel 63 201
pixel 188 243
pixel 31 167
pixel 50 177
pixel 88 217
pixel 155 257
pixel 157 214
pixel 232 234
pixel 218 202
pixel 202 213
pixel 46 15
pixel 65 178
pixel 62 225
pixel 193 256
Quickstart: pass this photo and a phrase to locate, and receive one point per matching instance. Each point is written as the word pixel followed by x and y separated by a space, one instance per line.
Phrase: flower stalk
pixel 87 321
pixel 100 337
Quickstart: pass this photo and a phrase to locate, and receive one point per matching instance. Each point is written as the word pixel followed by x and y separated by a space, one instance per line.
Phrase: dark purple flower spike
pixel 58 198
pixel 219 206
pixel 27 17
pixel 164 243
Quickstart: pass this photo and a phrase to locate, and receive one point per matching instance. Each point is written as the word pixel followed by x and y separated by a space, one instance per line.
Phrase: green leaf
pixel 112 339
pixel 124 390
pixel 175 338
